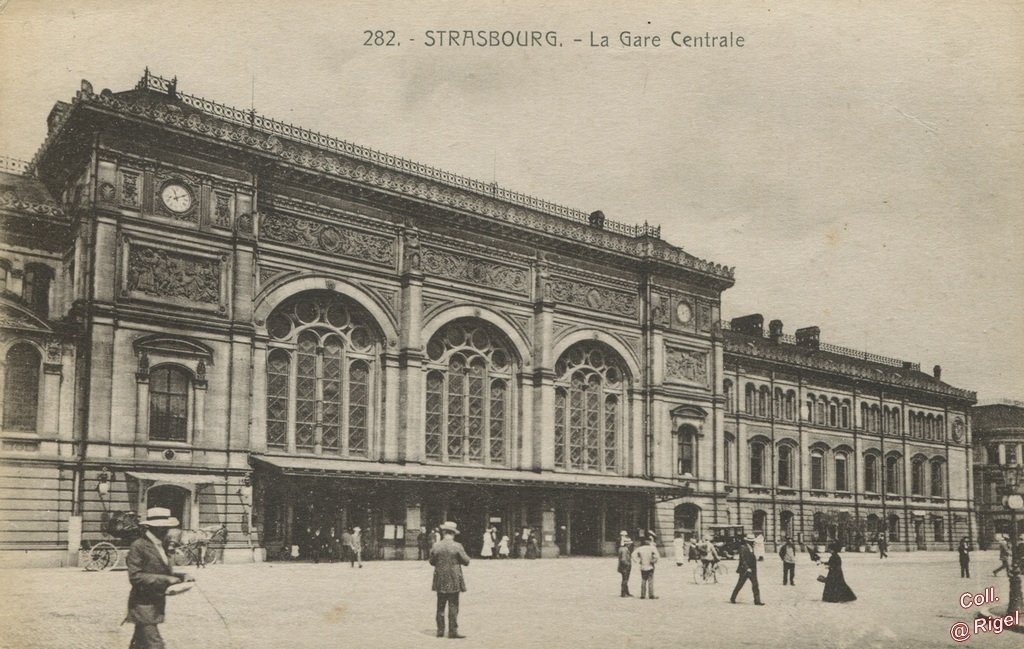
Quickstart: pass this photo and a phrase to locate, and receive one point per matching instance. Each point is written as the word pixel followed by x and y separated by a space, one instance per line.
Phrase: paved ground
pixel 910 600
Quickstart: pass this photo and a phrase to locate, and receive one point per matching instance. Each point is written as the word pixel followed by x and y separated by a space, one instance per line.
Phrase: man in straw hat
pixel 448 556
pixel 747 569
pixel 149 571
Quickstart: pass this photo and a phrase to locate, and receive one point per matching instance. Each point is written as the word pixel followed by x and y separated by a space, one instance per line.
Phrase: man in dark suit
pixel 149 571
pixel 747 569
pixel 625 563
pixel 448 556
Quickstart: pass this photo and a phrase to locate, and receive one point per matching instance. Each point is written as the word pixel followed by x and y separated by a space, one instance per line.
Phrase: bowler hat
pixel 449 526
pixel 159 517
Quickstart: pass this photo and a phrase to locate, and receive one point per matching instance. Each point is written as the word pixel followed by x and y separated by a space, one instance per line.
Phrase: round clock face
pixel 176 198
pixel 684 313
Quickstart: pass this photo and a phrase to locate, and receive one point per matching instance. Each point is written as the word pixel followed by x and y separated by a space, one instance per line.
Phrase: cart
pixel 122 527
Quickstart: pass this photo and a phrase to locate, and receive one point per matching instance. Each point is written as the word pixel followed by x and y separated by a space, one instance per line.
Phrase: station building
pixel 273 330
pixel 998 445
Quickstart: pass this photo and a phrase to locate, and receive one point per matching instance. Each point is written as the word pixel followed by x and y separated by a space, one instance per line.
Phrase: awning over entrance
pixel 318 466
pixel 174 478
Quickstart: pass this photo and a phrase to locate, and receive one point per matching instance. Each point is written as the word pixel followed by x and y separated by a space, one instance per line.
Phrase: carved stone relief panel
pixel 597 298
pixel 156 273
pixel 686 366
pixel 335 239
pixel 222 210
pixel 704 319
pixel 131 186
pixel 473 270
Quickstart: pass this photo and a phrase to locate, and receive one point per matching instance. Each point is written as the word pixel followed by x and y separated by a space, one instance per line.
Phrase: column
pixel 409 442
pixel 258 417
pixel 392 449
pixel 543 450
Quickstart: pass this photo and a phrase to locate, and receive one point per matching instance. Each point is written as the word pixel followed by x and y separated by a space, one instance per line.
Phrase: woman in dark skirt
pixel 836 589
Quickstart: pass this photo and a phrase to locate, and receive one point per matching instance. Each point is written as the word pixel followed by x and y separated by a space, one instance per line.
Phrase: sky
pixel 859 163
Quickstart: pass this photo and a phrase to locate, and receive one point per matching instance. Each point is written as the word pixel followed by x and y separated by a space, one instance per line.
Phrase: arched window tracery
pixel 590 388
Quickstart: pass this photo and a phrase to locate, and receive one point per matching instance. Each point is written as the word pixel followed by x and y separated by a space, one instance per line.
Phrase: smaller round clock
pixel 684 313
pixel 176 198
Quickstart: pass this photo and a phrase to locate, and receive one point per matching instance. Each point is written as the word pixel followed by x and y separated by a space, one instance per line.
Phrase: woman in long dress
pixel 836 589
pixel 487 549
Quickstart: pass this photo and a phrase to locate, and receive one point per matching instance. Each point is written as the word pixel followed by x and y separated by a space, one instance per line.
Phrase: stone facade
pixel 998 443
pixel 275 331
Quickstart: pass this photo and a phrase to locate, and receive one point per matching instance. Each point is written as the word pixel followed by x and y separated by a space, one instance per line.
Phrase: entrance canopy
pixel 330 467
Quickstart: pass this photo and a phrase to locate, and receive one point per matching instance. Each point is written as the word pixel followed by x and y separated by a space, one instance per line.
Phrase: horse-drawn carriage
pixel 191 547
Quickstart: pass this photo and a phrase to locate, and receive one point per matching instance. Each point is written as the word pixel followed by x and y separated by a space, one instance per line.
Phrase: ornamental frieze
pixel 604 300
pixel 343 159
pixel 472 270
pixel 686 365
pixel 329 238
pixel 167 274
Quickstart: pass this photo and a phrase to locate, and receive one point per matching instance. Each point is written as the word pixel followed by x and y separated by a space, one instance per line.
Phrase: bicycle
pixel 709 575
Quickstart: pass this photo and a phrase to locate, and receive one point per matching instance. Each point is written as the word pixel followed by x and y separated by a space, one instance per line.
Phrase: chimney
pixel 752 325
pixel 937 372
pixel 775 331
pixel 597 219
pixel 808 337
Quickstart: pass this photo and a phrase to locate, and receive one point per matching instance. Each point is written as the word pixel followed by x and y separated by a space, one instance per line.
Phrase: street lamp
pixel 1014 501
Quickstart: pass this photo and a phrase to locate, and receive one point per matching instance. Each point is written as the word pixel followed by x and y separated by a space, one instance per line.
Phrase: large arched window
pixel 871 473
pixel 469 381
pixel 938 482
pixel 917 476
pixel 687 454
pixel 589 395
pixel 757 462
pixel 785 469
pixel 818 469
pixel 168 403
pixel 321 375
pixel 21 388
pixel 892 475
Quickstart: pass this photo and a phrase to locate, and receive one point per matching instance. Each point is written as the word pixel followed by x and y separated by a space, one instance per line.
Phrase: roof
pixel 157 100
pixel 997 416
pixel 363 469
pixel 831 362
pixel 23 193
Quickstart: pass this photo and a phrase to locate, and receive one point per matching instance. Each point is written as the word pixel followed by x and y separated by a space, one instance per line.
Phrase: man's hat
pixel 749 538
pixel 159 517
pixel 449 526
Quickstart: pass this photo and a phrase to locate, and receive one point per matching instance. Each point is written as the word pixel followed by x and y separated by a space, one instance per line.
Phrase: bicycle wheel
pixel 102 556
pixel 719 573
pixel 698 575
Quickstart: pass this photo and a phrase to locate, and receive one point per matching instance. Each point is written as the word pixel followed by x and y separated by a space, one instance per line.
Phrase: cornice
pixel 155 100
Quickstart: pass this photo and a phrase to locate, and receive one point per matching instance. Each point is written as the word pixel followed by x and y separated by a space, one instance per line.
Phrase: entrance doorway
pixel 176 499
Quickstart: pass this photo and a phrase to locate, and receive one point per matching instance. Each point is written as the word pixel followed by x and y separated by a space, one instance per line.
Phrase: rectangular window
pixel 817 472
pixel 841 474
pixel 1011 453
pixel 757 464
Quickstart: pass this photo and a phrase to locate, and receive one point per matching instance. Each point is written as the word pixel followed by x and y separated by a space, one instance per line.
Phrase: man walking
pixel 747 569
pixel 448 556
pixel 883 546
pixel 964 550
pixel 149 571
pixel 625 563
pixel 788 555
pixel 646 555
pixel 1004 555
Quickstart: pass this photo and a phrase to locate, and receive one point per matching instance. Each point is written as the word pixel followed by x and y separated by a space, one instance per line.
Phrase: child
pixel 503 547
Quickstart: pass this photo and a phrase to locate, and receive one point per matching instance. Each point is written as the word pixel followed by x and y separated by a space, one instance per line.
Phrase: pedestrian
pixel 747 570
pixel 1004 555
pixel 333 546
pixel 524 542
pixel 316 544
pixel 625 563
pixel 759 546
pixel 503 549
pixel 532 546
pixel 883 546
pixel 423 543
pixel 679 548
pixel 646 555
pixel 150 574
pixel 487 546
pixel 346 544
pixel 448 556
pixel 788 555
pixel 356 555
pixel 964 550
pixel 836 589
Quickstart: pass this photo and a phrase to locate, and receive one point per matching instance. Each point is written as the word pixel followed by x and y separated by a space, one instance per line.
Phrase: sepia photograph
pixel 524 324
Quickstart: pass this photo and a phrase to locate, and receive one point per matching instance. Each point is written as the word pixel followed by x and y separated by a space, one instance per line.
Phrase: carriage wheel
pixel 102 556
pixel 190 554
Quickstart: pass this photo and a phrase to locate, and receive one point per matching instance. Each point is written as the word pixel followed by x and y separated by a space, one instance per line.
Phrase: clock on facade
pixel 684 313
pixel 177 198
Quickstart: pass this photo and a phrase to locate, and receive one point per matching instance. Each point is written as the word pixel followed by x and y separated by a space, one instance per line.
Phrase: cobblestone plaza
pixel 909 600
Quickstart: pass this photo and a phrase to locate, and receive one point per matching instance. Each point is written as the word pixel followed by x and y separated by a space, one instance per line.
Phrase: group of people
pixel 493 543
pixel 347 547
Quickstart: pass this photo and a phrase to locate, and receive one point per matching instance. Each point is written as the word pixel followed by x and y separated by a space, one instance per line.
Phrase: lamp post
pixel 1014 501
